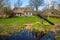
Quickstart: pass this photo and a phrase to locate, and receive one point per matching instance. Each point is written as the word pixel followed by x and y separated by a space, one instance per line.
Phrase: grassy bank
pixel 14 25
pixel 58 38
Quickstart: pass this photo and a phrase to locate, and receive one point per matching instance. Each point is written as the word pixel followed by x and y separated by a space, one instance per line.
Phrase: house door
pixel 20 14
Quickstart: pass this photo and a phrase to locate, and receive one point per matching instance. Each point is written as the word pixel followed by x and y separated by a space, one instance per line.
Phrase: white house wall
pixel 28 14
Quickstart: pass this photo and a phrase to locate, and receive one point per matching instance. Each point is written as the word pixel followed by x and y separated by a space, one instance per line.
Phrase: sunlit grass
pixel 54 20
pixel 9 24
pixel 14 25
pixel 58 38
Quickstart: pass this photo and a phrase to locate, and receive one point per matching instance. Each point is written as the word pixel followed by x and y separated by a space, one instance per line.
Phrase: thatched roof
pixel 53 11
pixel 21 10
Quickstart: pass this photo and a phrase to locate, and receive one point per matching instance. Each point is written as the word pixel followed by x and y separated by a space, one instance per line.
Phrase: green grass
pixel 18 21
pixel 54 20
pixel 10 24
pixel 14 25
pixel 58 38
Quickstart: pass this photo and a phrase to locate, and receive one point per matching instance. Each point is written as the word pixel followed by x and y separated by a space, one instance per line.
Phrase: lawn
pixel 55 20
pixel 14 25
pixel 58 38
pixel 18 21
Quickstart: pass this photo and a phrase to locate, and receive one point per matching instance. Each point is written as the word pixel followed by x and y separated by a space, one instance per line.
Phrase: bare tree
pixel 6 3
pixel 35 4
pixel 59 7
pixel 1 3
pixel 18 3
pixel 5 7
pixel 51 6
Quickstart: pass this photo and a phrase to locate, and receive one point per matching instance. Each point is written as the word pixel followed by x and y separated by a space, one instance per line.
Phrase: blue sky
pixel 25 2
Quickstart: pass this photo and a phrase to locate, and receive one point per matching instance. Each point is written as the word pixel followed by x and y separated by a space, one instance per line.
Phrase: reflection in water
pixel 49 36
pixel 24 35
pixel 27 35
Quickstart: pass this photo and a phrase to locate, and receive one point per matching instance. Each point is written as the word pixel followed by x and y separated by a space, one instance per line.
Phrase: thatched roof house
pixel 22 11
pixel 51 12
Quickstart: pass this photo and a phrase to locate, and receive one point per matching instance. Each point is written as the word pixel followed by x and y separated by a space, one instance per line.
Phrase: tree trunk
pixel 36 8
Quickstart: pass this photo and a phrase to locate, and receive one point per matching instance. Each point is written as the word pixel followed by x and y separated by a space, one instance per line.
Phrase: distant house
pixel 51 12
pixel 3 15
pixel 22 12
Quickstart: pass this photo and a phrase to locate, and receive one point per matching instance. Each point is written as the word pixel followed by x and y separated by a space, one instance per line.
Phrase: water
pixel 24 35
pixel 49 36
pixel 27 35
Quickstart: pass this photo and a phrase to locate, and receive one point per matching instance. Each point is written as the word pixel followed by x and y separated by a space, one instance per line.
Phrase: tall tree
pixel 1 3
pixel 35 4
pixel 18 3
pixel 6 3
pixel 5 7
pixel 59 7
